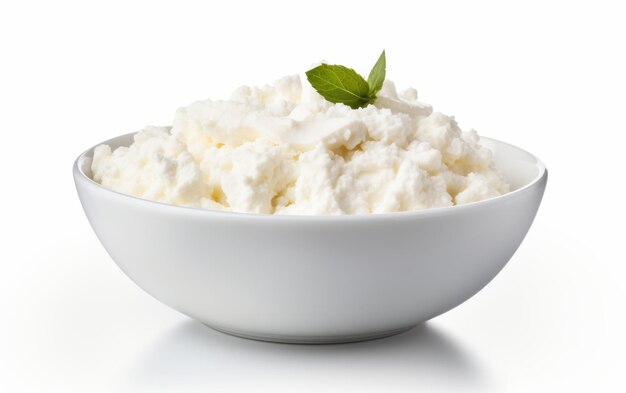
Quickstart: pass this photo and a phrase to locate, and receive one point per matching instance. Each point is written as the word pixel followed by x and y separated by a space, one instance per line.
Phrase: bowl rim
pixel 80 176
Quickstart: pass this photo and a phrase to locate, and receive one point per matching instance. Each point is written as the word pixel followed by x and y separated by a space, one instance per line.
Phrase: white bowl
pixel 314 279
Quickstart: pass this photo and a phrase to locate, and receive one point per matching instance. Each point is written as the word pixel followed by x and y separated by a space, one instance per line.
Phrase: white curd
pixel 283 149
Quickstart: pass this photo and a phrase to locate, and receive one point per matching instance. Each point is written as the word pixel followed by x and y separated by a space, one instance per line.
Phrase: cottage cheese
pixel 283 149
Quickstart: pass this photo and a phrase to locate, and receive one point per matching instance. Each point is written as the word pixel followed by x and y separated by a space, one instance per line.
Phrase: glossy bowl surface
pixel 314 279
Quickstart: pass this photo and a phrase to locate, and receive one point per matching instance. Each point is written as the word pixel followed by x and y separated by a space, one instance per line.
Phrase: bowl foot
pixel 287 339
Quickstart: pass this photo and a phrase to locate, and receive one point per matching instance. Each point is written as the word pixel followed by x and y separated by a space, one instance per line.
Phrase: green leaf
pixel 377 76
pixel 337 83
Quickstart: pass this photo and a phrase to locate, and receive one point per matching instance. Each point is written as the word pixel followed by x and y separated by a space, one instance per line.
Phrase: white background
pixel 546 76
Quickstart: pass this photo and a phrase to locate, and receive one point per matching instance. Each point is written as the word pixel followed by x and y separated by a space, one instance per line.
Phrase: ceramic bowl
pixel 314 279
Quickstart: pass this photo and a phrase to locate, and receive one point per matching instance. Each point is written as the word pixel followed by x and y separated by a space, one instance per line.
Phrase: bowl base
pixel 287 339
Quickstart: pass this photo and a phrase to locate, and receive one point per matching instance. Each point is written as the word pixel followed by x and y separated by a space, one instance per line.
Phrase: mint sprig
pixel 337 83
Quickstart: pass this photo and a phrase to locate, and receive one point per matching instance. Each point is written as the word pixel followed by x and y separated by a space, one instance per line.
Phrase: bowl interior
pixel 519 167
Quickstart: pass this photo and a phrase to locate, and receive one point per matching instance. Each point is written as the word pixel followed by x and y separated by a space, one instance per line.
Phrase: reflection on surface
pixel 192 355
